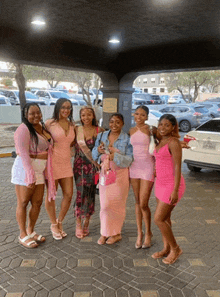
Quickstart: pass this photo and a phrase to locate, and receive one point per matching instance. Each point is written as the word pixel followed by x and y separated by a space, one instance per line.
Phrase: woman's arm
pixel 22 142
pixel 95 150
pixel 176 152
pixel 124 160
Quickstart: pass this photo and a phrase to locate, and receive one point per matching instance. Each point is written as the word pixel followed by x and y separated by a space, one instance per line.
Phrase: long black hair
pixel 58 105
pixel 31 129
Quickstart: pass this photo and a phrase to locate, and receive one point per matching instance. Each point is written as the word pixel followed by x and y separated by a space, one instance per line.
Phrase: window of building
pixel 153 79
pixel 145 90
pixel 145 80
pixel 154 90
pixel 162 80
pixel 162 90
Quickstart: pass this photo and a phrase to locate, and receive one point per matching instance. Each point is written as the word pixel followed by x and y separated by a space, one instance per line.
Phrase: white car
pixel 4 101
pixel 176 99
pixel 204 144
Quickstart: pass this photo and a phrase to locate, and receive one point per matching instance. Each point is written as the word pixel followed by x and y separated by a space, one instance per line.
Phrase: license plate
pixel 209 145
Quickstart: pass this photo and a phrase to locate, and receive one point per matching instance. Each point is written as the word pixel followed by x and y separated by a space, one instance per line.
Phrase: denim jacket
pixel 122 159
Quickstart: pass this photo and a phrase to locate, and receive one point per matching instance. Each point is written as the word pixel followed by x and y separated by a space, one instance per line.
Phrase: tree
pixel 20 80
pixel 187 80
pixel 7 82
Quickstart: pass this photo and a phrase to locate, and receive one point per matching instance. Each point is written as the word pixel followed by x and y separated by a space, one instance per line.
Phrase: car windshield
pixel 59 95
pixel 211 126
pixel 30 95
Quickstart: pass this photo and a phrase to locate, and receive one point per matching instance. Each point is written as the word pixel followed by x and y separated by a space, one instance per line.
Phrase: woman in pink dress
pixel 62 130
pixel 169 186
pixel 142 175
pixel 113 148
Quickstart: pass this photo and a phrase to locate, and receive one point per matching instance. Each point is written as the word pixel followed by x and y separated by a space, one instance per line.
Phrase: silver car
pixel 188 115
pixel 213 107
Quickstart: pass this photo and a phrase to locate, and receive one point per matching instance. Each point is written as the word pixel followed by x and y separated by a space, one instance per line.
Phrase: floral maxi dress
pixel 84 172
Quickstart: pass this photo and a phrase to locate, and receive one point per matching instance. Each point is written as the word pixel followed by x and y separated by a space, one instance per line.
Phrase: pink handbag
pixel 108 178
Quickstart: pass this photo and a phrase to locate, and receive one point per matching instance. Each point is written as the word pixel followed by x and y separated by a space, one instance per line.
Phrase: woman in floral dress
pixel 84 170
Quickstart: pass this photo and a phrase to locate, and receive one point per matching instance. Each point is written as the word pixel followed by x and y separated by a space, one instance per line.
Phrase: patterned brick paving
pixel 82 268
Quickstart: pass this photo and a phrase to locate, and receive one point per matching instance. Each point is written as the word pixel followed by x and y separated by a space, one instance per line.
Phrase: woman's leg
pixel 162 220
pixel 24 195
pixel 67 189
pixel 51 211
pixel 136 189
pixel 144 196
pixel 36 202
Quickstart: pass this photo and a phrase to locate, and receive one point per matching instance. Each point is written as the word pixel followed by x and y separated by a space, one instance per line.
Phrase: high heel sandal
pixel 79 231
pixel 86 229
pixel 172 259
pixel 148 244
pixel 56 235
pixel 160 254
pixel 63 233
pixel 139 245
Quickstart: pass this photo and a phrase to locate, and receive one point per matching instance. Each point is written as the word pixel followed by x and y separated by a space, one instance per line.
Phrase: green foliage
pixel 7 82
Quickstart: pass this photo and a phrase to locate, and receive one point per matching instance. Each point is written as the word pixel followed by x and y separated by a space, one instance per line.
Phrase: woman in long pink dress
pixel 142 175
pixel 62 130
pixel 113 148
pixel 169 186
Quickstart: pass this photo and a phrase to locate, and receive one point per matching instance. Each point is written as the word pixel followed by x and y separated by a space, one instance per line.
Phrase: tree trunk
pixel 20 80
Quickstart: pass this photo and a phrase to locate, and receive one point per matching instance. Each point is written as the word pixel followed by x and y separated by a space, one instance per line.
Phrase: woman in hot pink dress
pixel 169 186
pixel 62 130
pixel 142 174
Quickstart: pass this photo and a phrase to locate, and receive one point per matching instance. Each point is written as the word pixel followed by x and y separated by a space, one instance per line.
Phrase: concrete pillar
pixel 117 97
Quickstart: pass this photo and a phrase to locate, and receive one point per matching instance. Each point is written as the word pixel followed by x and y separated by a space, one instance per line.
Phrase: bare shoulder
pixel 48 122
pixel 132 131
pixel 174 143
pixel 100 129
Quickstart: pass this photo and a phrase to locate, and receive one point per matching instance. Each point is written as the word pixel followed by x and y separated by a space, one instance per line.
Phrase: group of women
pixel 44 157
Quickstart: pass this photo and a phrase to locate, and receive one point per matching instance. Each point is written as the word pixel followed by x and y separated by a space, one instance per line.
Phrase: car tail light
pixel 152 101
pixel 188 138
pixel 218 109
pixel 197 114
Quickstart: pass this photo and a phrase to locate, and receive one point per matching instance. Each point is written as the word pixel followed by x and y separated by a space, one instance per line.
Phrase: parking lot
pixel 76 267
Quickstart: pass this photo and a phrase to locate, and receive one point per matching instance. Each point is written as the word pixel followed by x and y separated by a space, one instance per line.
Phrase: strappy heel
pixel 79 231
pixel 62 232
pixel 170 259
pixel 56 235
pixel 138 245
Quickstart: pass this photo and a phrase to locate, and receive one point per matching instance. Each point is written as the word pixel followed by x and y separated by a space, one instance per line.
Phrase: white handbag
pixel 152 142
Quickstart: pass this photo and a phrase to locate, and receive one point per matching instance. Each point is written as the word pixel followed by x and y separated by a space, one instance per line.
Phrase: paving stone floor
pixel 82 268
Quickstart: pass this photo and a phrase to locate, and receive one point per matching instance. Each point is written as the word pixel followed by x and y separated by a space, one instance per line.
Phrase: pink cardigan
pixel 25 147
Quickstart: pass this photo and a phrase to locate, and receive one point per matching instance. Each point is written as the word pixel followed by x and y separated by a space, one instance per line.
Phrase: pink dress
pixel 143 165
pixel 113 202
pixel 164 184
pixel 61 158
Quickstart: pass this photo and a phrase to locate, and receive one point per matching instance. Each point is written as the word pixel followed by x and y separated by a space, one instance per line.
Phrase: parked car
pixel 164 98
pixel 213 107
pixel 91 94
pixel 11 95
pixel 204 151
pixel 51 96
pixel 155 99
pixel 176 99
pixel 188 115
pixel 31 98
pixel 4 101
pixel 213 99
pixel 140 99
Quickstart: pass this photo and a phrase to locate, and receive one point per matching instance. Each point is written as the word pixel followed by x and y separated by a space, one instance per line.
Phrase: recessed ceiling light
pixel 38 23
pixel 114 40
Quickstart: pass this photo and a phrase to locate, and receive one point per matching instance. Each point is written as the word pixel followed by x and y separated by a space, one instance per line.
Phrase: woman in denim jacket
pixel 114 151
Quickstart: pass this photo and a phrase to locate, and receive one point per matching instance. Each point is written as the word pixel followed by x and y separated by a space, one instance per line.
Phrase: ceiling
pixel 156 35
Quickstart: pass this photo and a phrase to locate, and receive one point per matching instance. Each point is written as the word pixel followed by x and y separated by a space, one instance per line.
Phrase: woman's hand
pixel 101 148
pixel 111 156
pixel 184 144
pixel 31 186
pixel 174 197
pixel 112 149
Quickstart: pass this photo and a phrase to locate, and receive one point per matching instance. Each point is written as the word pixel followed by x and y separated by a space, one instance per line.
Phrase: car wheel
pixel 193 168
pixel 185 126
